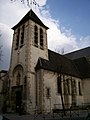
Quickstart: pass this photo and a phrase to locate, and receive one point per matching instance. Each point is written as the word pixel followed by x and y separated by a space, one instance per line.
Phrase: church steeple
pixel 30 30
pixel 29 43
pixel 30 15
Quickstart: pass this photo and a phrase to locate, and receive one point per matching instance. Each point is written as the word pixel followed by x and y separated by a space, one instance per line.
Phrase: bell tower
pixel 29 43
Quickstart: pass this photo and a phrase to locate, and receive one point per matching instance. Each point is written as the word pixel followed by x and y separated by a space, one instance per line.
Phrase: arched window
pixel 47 92
pixel 58 85
pixel 18 78
pixel 41 38
pixel 74 87
pixel 36 36
pixel 22 36
pixel 17 38
pixel 79 87
pixel 68 86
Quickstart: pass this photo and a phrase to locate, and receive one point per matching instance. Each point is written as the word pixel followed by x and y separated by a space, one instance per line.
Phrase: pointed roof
pixel 79 67
pixel 55 62
pixel 30 15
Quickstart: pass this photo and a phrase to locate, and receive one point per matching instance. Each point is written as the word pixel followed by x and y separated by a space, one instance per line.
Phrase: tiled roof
pixel 30 15
pixel 58 63
pixel 85 52
pixel 83 65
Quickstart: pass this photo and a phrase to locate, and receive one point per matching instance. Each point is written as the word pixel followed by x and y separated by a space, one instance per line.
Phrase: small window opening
pixel 36 36
pixel 22 36
pixel 41 38
pixel 79 87
pixel 17 38
pixel 48 92
pixel 18 79
pixel 58 85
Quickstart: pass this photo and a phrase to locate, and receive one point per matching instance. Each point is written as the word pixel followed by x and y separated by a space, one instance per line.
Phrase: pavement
pixel 39 117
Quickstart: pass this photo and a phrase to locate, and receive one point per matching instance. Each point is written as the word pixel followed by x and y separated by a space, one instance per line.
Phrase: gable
pixel 30 15
pixel 58 63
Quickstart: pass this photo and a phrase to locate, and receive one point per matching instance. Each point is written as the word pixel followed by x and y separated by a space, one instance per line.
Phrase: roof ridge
pixel 78 50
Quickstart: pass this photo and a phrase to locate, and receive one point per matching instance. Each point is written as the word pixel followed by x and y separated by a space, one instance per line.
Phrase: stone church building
pixel 41 79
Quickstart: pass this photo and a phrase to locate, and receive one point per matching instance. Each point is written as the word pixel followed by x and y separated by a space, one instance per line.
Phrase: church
pixel 41 79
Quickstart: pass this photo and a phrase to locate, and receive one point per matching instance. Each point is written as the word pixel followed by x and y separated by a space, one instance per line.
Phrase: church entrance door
pixel 18 101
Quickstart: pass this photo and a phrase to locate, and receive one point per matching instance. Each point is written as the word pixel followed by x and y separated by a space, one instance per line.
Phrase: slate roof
pixel 83 65
pixel 30 15
pixel 85 52
pixel 58 63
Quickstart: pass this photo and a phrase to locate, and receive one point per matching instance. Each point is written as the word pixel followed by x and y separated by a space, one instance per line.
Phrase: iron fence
pixel 56 113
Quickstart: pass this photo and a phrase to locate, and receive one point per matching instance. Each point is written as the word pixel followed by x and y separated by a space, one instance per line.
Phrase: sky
pixel 68 22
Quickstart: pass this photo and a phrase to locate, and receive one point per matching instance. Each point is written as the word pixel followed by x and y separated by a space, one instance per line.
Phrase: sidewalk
pixel 39 117
pixel 18 117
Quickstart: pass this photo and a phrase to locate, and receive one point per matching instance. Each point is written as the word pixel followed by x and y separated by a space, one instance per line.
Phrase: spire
pixel 30 15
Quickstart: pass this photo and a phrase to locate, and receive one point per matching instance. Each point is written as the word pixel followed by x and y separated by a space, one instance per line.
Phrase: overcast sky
pixel 68 22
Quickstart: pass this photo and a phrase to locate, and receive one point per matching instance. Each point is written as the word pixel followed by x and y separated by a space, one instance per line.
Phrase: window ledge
pixel 35 45
pixel 16 48
pixel 42 48
pixel 21 45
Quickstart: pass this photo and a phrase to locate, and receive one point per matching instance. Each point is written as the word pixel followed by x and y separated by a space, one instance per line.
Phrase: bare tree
pixel 60 51
pixel 28 2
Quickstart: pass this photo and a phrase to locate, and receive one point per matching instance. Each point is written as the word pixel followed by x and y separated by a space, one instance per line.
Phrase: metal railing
pixel 74 111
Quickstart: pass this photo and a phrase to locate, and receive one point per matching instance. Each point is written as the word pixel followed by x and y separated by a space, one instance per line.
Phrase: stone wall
pixel 86 90
pixel 53 98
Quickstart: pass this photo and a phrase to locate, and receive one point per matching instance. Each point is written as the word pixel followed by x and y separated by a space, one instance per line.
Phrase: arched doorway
pixel 17 88
pixel 18 101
